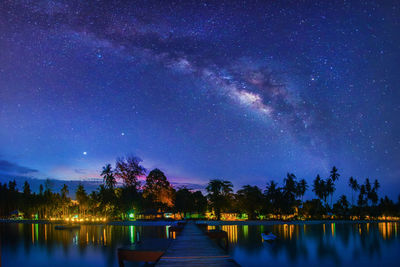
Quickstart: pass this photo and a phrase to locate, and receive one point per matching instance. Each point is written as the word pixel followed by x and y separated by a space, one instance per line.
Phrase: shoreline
pixel 213 223
pixel 308 222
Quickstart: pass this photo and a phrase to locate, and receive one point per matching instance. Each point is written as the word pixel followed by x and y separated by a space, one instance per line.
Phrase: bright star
pixel 85 153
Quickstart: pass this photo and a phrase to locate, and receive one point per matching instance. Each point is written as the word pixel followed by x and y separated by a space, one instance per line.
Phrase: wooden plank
pixel 149 250
pixel 193 248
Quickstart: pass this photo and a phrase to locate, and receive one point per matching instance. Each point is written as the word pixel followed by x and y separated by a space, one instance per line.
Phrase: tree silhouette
pixel 219 195
pixel 354 188
pixel 301 188
pixel 274 198
pixel 289 191
pixel 319 188
pixel 330 188
pixel 250 200
pixel 64 200
pixel 158 190
pixel 115 201
pixel 184 201
pixel 108 176
pixel 334 174
pixel 129 170
pixel 341 207
pixel 82 198
pixel 26 188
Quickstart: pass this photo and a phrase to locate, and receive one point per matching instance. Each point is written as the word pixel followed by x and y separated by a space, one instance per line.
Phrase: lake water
pixel 331 244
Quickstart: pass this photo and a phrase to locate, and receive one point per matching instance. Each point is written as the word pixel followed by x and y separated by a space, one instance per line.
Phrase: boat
pixel 67 227
pixel 268 237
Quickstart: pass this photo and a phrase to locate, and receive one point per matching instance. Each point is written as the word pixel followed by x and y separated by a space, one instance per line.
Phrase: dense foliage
pixel 158 195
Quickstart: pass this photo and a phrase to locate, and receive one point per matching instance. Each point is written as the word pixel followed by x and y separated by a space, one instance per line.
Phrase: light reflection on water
pixel 42 245
pixel 330 244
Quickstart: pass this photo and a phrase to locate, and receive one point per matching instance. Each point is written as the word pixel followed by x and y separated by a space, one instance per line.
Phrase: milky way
pixel 243 91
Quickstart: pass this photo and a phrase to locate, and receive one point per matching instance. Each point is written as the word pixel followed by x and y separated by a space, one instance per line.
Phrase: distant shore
pixel 116 223
pixel 217 223
pixel 214 223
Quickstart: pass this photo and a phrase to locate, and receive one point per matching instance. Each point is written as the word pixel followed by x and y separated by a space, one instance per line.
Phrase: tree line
pixel 156 194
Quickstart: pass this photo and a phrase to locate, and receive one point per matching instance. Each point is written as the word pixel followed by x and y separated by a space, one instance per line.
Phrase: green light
pixel 131 215
pixel 36 231
pixel 132 232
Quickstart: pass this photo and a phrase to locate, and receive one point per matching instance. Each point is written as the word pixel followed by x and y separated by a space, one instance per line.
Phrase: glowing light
pixel 33 235
pixel 132 233
pixel 245 231
pixel 36 232
pixel 232 232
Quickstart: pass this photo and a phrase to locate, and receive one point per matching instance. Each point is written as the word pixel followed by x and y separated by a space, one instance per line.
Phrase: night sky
pixel 240 90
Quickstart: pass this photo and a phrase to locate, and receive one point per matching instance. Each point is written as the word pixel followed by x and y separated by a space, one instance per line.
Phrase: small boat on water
pixel 67 227
pixel 268 237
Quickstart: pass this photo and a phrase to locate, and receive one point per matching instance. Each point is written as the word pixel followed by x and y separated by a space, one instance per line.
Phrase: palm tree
pixel 273 196
pixel 82 199
pixel 354 188
pixel 289 191
pixel 374 193
pixel 301 188
pixel 219 193
pixel 361 200
pixel 330 188
pixel 368 186
pixel 290 185
pixel 272 187
pixel 368 190
pixel 108 176
pixel 319 188
pixel 376 185
pixel 334 174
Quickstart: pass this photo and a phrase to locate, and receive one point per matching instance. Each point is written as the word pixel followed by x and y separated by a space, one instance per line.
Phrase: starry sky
pixel 240 90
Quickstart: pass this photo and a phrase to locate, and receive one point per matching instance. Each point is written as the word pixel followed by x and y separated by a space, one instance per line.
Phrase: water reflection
pixel 328 244
pixel 300 245
pixel 232 231
pixel 42 244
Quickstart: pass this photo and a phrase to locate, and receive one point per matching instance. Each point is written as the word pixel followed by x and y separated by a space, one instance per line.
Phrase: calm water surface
pixel 332 244
pixel 91 245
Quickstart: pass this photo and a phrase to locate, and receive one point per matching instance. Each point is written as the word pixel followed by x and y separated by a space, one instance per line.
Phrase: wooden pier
pixel 192 247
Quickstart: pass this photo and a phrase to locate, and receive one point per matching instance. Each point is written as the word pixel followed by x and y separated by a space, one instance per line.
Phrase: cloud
pixel 13 168
pixel 191 186
pixel 80 171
